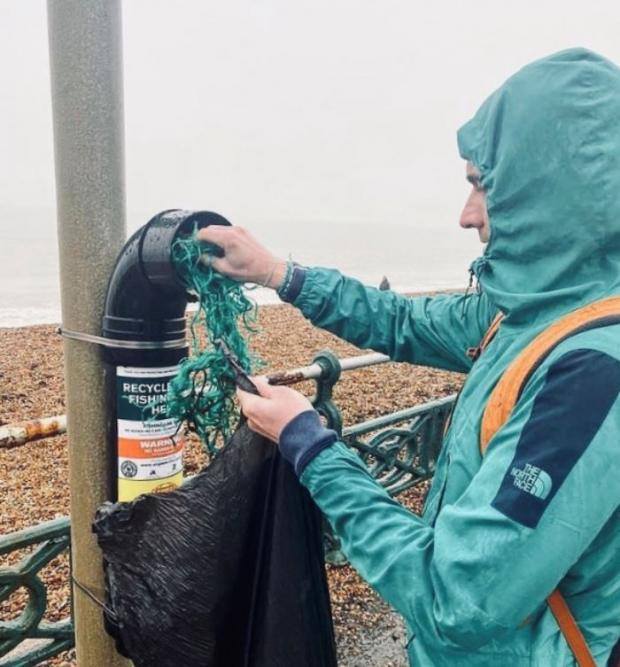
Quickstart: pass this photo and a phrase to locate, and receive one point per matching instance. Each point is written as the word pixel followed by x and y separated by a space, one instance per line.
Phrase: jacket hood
pixel 547 145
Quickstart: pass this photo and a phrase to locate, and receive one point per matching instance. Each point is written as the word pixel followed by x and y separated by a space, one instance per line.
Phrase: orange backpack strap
pixel 569 628
pixel 504 398
pixel 508 390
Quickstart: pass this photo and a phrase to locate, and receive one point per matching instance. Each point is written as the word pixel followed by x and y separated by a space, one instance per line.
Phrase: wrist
pixel 275 276
pixel 303 438
pixel 293 282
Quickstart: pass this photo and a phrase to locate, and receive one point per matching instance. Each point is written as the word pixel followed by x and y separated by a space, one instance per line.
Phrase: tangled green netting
pixel 201 394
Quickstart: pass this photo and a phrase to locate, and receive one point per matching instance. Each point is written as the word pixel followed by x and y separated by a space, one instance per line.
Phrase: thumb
pixel 263 386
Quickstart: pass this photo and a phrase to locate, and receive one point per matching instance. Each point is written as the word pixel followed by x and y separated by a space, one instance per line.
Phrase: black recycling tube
pixel 144 319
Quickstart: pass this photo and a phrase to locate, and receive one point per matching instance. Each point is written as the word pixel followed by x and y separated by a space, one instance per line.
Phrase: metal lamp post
pixel 87 100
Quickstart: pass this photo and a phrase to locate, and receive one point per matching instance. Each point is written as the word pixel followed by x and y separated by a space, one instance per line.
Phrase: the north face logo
pixel 533 480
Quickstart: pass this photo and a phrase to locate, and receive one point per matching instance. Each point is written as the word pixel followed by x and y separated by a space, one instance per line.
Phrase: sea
pixel 412 257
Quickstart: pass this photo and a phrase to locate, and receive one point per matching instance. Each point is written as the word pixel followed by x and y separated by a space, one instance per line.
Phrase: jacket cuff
pixel 303 438
pixel 317 290
pixel 293 283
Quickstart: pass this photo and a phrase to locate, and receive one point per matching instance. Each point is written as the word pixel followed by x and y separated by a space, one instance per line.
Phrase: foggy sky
pixel 290 111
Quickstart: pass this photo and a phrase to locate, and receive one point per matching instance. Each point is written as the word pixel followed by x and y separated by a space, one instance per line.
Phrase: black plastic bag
pixel 225 571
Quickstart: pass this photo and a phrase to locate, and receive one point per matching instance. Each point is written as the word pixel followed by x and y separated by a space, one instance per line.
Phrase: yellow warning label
pixel 129 489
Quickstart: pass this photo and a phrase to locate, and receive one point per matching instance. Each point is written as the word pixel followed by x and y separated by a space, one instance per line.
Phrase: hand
pixel 245 259
pixel 270 412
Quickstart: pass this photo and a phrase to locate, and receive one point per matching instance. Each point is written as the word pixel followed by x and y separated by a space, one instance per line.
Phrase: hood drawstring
pixel 476 269
pixel 470 284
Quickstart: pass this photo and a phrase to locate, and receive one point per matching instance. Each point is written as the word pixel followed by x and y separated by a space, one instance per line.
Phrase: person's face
pixel 474 215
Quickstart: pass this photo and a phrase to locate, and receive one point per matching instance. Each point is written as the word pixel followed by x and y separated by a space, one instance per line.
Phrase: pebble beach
pixel 34 476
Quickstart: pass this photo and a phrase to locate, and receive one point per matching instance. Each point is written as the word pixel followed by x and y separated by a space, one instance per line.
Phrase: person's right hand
pixel 245 259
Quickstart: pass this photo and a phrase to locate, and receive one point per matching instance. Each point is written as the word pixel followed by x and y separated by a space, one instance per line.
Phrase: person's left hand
pixel 270 412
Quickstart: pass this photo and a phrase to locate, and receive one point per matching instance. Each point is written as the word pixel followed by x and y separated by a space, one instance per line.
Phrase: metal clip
pixel 242 379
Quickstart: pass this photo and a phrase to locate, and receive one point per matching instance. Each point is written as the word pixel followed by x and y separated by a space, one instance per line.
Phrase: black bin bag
pixel 225 571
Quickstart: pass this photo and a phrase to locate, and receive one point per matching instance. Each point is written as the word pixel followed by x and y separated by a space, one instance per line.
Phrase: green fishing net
pixel 202 392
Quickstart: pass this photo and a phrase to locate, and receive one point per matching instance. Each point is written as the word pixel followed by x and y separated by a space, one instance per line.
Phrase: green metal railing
pixel 400 450
pixel 28 639
pixel 400 457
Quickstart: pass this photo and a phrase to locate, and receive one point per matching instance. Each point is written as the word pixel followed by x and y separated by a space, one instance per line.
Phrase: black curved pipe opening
pixel 146 299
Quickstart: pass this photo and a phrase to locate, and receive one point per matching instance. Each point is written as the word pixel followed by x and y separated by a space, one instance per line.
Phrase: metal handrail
pixel 13 435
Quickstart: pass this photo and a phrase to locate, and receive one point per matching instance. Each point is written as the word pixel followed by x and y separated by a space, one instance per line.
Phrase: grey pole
pixel 87 101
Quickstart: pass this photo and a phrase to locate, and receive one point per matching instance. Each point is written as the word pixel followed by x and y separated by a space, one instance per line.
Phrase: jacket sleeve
pixel 429 331
pixel 546 487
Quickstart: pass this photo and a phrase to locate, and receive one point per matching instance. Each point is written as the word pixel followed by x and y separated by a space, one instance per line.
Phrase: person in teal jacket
pixel 471 575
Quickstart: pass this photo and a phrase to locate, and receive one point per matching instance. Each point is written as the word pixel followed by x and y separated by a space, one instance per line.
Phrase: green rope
pixel 201 394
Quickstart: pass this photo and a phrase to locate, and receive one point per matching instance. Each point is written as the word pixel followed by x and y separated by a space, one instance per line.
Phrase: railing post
pixel 323 402
pixel 87 99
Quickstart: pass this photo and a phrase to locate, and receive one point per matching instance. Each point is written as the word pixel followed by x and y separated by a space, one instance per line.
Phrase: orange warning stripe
pixel 149 448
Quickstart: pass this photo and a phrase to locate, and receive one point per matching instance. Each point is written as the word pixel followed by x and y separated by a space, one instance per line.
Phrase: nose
pixel 473 214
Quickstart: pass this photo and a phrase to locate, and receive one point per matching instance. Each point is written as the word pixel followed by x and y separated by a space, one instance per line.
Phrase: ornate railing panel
pixel 28 639
pixel 400 457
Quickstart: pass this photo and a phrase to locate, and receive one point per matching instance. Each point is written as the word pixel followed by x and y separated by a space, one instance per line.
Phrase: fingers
pixel 248 406
pixel 234 257
pixel 248 402
pixel 251 404
pixel 218 234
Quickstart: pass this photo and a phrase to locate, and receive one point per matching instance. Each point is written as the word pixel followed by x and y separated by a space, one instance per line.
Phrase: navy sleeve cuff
pixel 303 438
pixel 291 290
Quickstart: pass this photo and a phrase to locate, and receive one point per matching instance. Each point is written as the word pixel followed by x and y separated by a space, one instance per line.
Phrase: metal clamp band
pixel 123 344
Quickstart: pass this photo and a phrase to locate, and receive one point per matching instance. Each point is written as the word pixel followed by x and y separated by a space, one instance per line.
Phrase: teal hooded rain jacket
pixel 498 534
